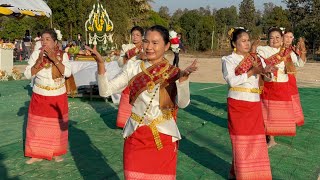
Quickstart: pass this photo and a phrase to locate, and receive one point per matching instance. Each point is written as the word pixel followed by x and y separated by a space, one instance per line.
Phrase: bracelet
pixel 57 63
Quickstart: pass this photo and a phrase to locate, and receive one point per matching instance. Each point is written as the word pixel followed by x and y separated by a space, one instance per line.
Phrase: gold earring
pixel 234 49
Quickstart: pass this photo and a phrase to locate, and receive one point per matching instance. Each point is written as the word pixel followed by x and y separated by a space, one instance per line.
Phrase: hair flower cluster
pixel 59 35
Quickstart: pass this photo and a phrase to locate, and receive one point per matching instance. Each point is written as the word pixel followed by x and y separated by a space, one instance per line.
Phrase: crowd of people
pixel 263 100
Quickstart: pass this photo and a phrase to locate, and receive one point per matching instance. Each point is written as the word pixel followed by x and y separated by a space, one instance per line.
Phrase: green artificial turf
pixel 95 144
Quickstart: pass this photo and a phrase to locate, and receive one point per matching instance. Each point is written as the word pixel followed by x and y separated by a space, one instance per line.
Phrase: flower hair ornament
pixel 282 29
pixel 59 35
pixel 174 41
pixel 231 31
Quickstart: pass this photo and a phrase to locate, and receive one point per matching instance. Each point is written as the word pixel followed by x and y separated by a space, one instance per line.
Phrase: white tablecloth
pixel 85 73
pixel 6 60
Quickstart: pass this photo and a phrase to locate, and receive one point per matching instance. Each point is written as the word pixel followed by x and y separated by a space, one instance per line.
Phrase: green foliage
pixel 248 17
pixel 226 18
pixel 275 17
pixel 155 19
pixel 304 15
pixel 197 26
pixel 12 28
pixel 197 29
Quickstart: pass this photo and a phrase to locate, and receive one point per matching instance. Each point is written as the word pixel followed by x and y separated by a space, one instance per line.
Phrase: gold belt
pixel 249 90
pixel 153 125
pixel 49 88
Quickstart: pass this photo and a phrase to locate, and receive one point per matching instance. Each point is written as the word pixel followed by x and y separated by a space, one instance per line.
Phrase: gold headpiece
pixel 230 33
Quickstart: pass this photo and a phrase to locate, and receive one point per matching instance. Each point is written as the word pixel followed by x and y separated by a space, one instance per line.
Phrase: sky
pixel 195 4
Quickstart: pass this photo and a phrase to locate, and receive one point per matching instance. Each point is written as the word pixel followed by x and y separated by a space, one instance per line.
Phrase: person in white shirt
pixel 242 71
pixel 157 89
pixel 300 51
pixel 129 52
pixel 47 127
pixel 277 105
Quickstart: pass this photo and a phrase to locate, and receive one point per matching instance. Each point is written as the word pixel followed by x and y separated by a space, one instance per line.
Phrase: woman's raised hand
pixel 49 53
pixel 301 44
pixel 96 55
pixel 190 69
pixel 255 45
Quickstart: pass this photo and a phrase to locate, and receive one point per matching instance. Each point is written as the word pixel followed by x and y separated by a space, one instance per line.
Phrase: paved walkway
pixel 95 144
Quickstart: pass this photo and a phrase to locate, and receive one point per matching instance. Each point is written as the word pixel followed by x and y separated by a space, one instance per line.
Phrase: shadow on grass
pixel 105 110
pixel 23 111
pixel 29 89
pixel 3 170
pixel 90 162
pixel 204 115
pixel 207 101
pixel 203 156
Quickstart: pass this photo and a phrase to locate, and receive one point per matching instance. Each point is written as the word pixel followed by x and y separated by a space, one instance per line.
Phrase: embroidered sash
pixel 278 57
pixel 247 62
pixel 138 83
pixel 133 52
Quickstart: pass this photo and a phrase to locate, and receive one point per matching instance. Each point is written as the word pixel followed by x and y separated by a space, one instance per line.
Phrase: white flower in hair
pixel 242 28
pixel 59 35
pixel 282 29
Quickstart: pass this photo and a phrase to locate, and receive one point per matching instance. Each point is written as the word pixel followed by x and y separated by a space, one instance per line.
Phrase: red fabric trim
pixel 278 91
pixel 299 117
pixel 142 157
pixel 278 117
pixel 250 157
pixel 139 82
pixel 48 106
pixel 124 110
pixel 298 112
pixel 293 88
pixel 132 175
pixel 47 127
pixel 246 64
pixel 244 118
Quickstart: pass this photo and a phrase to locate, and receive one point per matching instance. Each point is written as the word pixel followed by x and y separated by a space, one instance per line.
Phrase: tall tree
pixel 226 18
pixel 275 17
pixel 164 12
pixel 247 16
pixel 304 14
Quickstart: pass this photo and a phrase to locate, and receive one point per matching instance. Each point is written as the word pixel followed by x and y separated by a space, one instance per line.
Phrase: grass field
pixel 95 144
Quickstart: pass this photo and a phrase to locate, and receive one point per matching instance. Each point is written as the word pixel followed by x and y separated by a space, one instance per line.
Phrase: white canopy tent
pixel 25 7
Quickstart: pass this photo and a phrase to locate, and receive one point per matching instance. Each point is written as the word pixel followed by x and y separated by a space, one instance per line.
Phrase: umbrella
pixel 24 7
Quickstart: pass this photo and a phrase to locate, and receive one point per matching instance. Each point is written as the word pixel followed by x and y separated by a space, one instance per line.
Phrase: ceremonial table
pixel 85 74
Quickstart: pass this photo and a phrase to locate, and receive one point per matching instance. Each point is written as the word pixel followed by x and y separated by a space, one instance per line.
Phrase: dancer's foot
pixel 271 144
pixel 58 159
pixel 33 160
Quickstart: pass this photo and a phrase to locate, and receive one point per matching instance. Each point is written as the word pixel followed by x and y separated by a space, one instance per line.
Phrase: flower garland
pixel 4 76
pixel 174 40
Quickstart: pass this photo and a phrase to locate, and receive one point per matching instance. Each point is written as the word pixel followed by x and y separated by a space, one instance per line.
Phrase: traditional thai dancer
pixel 300 51
pixel 129 52
pixel 157 89
pixel 277 104
pixel 47 127
pixel 242 70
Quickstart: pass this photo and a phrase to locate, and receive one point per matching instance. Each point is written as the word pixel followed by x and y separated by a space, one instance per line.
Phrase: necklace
pixel 151 84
